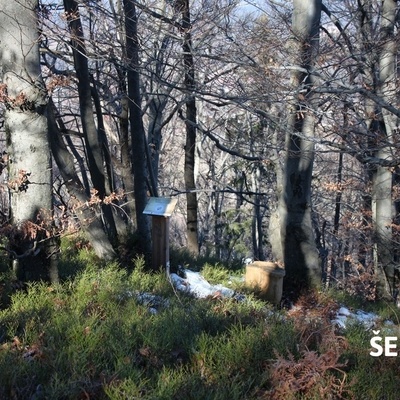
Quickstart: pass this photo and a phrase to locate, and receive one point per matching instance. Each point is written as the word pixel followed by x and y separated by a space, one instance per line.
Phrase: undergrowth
pixel 109 333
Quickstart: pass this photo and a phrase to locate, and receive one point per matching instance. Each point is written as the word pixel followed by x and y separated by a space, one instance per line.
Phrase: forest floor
pixel 110 333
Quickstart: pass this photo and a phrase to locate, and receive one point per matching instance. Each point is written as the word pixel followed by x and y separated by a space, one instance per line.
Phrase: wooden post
pixel 160 209
pixel 160 238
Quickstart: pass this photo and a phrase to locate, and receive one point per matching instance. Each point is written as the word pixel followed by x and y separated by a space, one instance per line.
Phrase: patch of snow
pixel 178 282
pixel 196 285
pixel 368 319
pixel 152 301
pixel 344 317
pixel 247 260
pixel 344 311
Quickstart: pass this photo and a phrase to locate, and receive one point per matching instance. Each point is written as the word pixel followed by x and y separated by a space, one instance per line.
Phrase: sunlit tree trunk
pixel 299 250
pixel 382 203
pixel 190 122
pixel 380 74
pixel 30 184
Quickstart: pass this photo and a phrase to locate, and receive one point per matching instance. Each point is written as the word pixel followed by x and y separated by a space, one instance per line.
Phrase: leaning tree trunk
pixel 298 246
pixel 86 214
pixel 93 145
pixel 30 184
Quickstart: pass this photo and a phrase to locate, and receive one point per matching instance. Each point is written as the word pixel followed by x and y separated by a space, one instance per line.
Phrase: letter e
pixel 389 346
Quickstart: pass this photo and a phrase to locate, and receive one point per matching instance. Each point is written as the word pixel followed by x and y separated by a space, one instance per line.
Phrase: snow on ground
pixel 151 301
pixel 344 317
pixel 194 283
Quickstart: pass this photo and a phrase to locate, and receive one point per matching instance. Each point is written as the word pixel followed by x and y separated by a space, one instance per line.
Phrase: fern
pixel 313 374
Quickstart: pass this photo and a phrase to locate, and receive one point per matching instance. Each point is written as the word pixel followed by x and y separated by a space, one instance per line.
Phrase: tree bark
pixel 91 135
pixel 257 229
pixel 30 180
pixel 126 165
pixel 190 122
pixel 89 219
pixel 382 203
pixel 336 245
pixel 156 111
pixel 299 249
pixel 138 142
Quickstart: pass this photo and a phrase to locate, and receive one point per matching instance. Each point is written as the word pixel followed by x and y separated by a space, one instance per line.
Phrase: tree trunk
pixel 139 167
pixel 299 250
pixel 93 145
pixel 121 226
pixel 78 158
pixel 30 181
pixel 257 230
pixel 382 212
pixel 156 111
pixel 382 203
pixel 374 125
pixel 89 219
pixel 190 122
pixel 336 241
pixel 126 167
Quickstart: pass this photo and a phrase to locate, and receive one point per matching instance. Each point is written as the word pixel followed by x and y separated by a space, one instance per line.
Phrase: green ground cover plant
pixel 97 336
